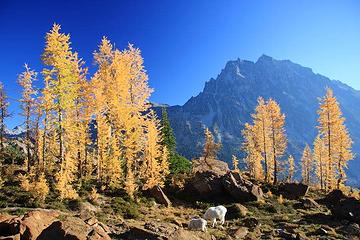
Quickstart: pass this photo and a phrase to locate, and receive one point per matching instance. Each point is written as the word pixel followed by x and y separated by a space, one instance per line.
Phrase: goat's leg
pixel 214 222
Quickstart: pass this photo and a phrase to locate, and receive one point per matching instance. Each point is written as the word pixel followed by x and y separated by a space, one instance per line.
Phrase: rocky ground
pixel 287 211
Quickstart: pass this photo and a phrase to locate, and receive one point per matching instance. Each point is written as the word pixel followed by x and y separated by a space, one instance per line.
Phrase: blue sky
pixel 184 43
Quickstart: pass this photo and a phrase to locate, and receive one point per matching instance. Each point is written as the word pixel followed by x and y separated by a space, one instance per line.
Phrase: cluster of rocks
pixel 43 224
pixel 215 181
pixel 220 184
pixel 342 206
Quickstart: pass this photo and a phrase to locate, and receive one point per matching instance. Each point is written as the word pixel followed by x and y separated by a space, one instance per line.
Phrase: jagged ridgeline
pixel 227 102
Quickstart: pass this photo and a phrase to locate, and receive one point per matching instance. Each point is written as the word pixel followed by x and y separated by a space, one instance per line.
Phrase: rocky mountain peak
pixel 227 102
pixel 265 59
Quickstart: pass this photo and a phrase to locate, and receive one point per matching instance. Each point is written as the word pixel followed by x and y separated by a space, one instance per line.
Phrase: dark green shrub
pixel 57 205
pixel 179 164
pixel 13 153
pixel 127 209
pixel 73 204
pixel 16 197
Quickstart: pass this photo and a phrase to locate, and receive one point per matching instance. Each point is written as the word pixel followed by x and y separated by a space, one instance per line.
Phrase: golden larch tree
pixel 337 141
pixel 306 165
pixel 165 162
pixel 291 168
pixel 211 148
pixel 58 59
pixel 277 136
pixel 261 127
pixel 63 75
pixel 253 157
pixel 4 113
pixel 344 155
pixel 44 139
pixel 121 92
pixel 235 163
pixel 27 102
pixel 100 85
pixel 152 172
pixel 319 157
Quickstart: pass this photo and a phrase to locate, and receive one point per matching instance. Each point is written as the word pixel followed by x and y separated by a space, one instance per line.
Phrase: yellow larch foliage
pixel 114 102
pixel 211 148
pixel 64 77
pixel 24 182
pixel 114 168
pixel 319 157
pixel 277 135
pixel 151 169
pixel 235 163
pixel 121 92
pixel 253 156
pixel 83 116
pixel 37 133
pixel 59 60
pixel 306 165
pixel 101 84
pixel 46 145
pixel 265 140
pixel 337 141
pixel 4 113
pixel 36 185
pixel 93 196
pixel 130 185
pixel 76 120
pixel 64 179
pixel 261 124
pixel 2 181
pixel 135 102
pixel 344 155
pixel 27 102
pixel 280 199
pixel 164 162
pixel 41 188
pixel 291 168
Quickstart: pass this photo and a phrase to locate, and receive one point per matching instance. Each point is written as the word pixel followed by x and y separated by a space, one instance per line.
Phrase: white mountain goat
pixel 198 224
pixel 214 213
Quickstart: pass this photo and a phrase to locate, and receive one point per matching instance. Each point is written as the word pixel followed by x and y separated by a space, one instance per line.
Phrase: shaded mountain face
pixel 227 102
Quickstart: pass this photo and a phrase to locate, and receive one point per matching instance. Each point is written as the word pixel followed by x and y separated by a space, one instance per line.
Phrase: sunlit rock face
pixel 227 102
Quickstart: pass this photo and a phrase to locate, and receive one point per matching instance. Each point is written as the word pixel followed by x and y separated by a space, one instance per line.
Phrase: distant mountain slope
pixel 227 102
pixel 16 132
